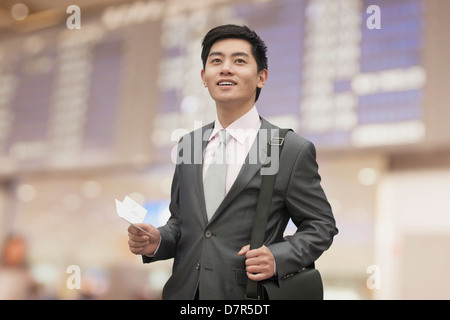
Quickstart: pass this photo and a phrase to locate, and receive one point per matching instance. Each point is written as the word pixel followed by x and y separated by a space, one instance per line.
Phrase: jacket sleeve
pixel 310 211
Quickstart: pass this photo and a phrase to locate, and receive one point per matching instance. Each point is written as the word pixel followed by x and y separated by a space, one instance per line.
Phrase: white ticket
pixel 132 212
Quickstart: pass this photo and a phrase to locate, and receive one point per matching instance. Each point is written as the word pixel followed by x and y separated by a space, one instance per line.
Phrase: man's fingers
pixel 132 230
pixel 257 252
pixel 244 250
pixel 136 231
pixel 138 238
pixel 259 263
pixel 257 276
pixel 139 235
pixel 137 244
pixel 136 250
pixel 254 253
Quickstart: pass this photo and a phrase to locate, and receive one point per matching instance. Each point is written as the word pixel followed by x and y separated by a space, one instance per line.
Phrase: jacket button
pixel 197 266
pixel 208 234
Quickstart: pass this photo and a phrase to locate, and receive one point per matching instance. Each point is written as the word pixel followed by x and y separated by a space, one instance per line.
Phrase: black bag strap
pixel 253 290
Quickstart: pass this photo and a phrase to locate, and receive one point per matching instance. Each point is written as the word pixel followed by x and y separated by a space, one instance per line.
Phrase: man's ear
pixel 262 78
pixel 202 73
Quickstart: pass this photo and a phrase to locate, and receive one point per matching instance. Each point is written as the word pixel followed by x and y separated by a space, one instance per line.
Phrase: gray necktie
pixel 215 177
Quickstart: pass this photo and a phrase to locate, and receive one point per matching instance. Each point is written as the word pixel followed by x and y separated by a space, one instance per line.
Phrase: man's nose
pixel 226 68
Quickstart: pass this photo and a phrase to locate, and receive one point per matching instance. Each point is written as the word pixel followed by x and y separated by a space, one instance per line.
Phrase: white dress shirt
pixel 243 132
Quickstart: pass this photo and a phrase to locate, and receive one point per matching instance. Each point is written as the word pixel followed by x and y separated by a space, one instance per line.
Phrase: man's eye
pixel 217 60
pixel 240 60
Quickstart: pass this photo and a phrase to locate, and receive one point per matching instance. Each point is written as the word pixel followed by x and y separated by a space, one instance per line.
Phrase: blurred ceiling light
pixel 34 44
pixel 368 176
pixel 26 192
pixel 91 189
pixel 45 273
pixel 19 11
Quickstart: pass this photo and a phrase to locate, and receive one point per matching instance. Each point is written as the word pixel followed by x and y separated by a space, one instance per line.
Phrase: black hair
pixel 232 31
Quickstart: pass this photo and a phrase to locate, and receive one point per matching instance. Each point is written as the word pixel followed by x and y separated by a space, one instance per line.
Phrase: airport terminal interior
pixel 94 95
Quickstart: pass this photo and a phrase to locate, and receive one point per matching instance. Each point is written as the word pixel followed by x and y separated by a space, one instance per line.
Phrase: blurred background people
pixel 16 281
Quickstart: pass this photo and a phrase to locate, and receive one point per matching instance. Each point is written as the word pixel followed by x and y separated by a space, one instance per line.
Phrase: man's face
pixel 231 72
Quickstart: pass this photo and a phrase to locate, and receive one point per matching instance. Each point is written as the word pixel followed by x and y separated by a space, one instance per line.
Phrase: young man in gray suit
pixel 210 242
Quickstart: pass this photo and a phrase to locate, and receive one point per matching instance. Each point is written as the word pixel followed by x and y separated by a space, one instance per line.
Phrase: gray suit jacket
pixel 206 252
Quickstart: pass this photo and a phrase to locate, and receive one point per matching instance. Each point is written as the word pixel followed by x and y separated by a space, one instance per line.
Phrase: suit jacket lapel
pixel 197 164
pixel 256 157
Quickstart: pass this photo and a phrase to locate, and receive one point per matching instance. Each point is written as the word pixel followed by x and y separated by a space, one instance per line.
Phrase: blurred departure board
pixel 363 87
pixel 76 98
pixel 59 103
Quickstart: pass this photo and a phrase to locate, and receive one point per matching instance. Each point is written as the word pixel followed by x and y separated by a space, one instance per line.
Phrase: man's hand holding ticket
pixel 144 238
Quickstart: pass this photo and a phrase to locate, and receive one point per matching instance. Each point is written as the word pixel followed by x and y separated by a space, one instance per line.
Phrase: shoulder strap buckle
pixel 276 141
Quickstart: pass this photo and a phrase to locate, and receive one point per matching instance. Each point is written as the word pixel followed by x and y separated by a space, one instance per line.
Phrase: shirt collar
pixel 241 127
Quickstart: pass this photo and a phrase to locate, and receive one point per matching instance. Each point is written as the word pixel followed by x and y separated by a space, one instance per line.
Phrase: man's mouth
pixel 225 83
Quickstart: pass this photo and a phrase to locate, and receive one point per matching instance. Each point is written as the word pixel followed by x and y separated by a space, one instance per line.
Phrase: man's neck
pixel 227 114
